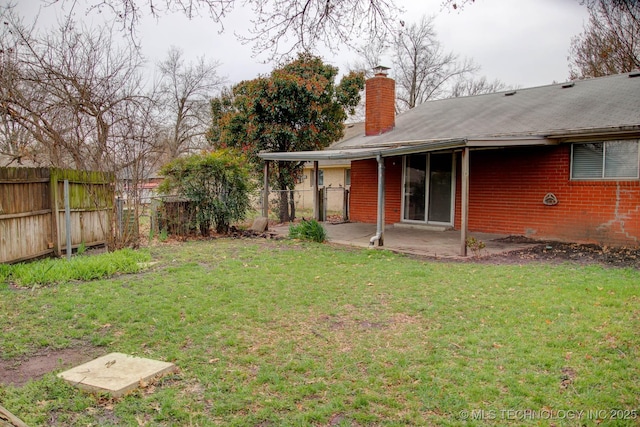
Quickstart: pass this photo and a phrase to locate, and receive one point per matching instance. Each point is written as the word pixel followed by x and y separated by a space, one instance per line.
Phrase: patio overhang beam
pixel 401 148
pixel 397 149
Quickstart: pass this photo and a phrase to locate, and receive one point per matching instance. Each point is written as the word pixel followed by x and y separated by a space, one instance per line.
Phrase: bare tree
pixel 278 26
pixel 456 4
pixel 370 55
pixel 610 43
pixel 423 70
pixel 469 87
pixel 185 91
pixel 13 138
pixel 74 98
pixel 70 89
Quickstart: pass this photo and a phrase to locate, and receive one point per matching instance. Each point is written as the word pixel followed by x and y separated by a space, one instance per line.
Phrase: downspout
pixel 379 237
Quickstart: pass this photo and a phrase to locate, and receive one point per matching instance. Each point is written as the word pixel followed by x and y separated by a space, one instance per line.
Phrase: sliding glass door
pixel 428 188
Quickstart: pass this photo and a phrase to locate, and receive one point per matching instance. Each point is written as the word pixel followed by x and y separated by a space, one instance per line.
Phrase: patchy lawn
pixel 273 333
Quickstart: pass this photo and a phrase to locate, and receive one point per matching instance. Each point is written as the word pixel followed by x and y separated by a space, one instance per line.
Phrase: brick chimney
pixel 380 116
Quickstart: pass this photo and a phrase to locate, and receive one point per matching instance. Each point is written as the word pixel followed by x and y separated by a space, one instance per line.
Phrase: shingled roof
pixel 591 107
pixel 599 104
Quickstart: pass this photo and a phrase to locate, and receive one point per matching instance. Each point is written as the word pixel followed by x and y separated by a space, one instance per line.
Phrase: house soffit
pixel 370 152
pixel 405 148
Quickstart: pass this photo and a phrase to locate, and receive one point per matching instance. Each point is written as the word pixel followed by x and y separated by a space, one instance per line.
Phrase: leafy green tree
pixel 298 107
pixel 218 183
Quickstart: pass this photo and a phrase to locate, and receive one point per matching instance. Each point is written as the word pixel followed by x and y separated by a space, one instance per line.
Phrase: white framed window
pixel 320 178
pixel 606 160
pixel 347 177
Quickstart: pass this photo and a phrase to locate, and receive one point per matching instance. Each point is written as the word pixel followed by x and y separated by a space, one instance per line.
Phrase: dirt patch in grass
pixel 19 371
pixel 558 252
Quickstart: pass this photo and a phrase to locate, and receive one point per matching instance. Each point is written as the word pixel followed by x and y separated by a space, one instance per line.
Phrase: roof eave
pixel 509 141
pixel 568 135
pixel 389 150
pixel 404 148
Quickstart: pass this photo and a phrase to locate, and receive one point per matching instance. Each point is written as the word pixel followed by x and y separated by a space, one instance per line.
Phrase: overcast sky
pixel 520 42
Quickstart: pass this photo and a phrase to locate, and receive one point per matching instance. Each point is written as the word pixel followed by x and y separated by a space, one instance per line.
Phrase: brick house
pixel 552 162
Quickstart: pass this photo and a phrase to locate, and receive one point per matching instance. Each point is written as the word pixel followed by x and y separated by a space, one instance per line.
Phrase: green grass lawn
pixel 293 334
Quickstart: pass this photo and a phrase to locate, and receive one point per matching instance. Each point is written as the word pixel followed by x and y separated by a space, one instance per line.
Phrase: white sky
pixel 520 42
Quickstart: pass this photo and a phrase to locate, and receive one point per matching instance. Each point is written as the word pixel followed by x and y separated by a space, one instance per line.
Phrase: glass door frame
pixel 427 189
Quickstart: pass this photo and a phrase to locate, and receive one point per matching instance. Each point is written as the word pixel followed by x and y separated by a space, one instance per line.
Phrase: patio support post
pixel 379 237
pixel 464 215
pixel 316 200
pixel 265 196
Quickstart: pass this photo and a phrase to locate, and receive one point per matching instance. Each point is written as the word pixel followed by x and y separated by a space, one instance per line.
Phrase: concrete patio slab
pixel 414 240
pixel 115 373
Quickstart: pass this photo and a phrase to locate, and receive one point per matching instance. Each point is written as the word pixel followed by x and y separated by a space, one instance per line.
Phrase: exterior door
pixel 428 188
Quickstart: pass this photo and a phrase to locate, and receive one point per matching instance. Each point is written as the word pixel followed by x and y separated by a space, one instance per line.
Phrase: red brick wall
pixel 380 98
pixel 506 192
pixel 507 188
pixel 364 190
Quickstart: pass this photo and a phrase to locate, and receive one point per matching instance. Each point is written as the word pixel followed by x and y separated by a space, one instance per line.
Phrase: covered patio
pixel 414 241
pixel 378 234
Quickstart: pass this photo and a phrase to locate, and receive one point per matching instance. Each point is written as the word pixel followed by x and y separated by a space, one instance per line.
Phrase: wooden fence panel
pixel 32 211
pixel 91 199
pixel 25 214
pixel 25 237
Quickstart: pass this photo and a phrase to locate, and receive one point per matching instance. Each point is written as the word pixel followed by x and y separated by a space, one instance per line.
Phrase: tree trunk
pixel 205 227
pixel 292 205
pixel 284 206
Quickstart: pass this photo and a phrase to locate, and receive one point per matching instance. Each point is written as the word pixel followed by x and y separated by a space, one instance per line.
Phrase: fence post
pixel 55 220
pixel 345 205
pixel 67 218
pixel 325 202
pixel 321 201
pixel 119 216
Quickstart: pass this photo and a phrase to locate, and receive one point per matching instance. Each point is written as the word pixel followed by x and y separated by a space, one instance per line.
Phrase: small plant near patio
pixel 308 230
pixel 476 246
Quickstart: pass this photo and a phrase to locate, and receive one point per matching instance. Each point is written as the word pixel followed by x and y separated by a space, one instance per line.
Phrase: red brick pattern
pixel 380 105
pixel 506 193
pixel 364 200
pixel 507 188
pixel 364 191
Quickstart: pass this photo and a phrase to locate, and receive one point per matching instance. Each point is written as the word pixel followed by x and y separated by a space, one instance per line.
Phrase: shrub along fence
pixel 33 219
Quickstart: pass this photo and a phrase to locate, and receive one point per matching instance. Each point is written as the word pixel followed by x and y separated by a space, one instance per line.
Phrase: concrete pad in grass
pixel 115 373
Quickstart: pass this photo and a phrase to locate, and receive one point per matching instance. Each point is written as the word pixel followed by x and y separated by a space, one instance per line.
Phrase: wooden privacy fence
pixel 32 211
